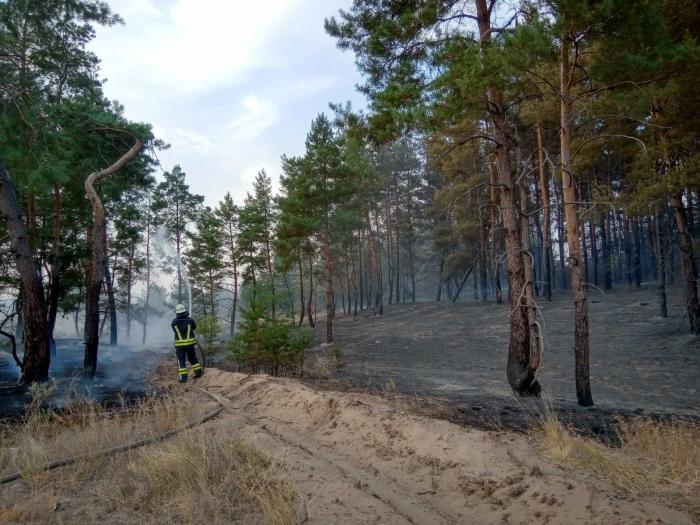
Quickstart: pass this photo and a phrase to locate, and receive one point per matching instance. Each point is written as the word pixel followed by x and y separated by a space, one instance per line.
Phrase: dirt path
pixel 355 458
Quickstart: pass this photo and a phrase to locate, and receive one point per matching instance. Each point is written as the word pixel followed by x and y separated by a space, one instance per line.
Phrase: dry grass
pixel 657 461
pixel 84 427
pixel 323 364
pixel 195 477
pixel 198 478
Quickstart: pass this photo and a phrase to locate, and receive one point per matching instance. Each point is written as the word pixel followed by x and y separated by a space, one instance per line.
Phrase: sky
pixel 231 85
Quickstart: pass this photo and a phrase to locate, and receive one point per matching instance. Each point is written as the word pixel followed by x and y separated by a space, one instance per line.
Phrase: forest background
pixel 528 146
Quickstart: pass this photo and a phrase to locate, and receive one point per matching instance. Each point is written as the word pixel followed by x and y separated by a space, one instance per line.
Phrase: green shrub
pixel 209 327
pixel 267 345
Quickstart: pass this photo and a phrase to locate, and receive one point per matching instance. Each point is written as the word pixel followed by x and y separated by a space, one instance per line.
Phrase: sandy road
pixel 356 458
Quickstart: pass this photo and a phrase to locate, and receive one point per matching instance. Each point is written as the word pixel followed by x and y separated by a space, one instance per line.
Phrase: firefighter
pixel 185 340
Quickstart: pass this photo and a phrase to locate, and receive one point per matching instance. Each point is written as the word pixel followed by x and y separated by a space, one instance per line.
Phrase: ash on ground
pixel 123 373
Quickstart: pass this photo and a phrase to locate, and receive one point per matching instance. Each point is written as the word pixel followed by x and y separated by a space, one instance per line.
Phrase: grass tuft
pixel 198 477
pixel 656 460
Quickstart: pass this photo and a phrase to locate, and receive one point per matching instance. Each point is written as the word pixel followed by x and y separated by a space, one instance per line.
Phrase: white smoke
pixel 165 249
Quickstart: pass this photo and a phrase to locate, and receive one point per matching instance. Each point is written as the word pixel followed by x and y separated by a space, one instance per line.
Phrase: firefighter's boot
pixel 197 369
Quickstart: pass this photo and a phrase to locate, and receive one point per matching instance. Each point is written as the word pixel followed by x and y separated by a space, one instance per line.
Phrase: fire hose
pixel 63 462
pixel 202 352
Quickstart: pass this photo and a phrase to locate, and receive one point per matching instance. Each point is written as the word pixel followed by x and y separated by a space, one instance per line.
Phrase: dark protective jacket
pixel 183 327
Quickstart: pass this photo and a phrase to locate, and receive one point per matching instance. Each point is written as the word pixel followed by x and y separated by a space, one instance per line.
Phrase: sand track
pixel 356 458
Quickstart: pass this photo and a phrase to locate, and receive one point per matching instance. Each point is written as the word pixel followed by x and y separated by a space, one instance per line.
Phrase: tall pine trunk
pixel 37 353
pixel 560 236
pixel 483 248
pixel 309 312
pixel 660 261
pixel 523 357
pixel 397 270
pixel 495 234
pixel 605 252
pixel 129 285
pixel 268 253
pixel 546 221
pixel 594 251
pixel 301 286
pixel 147 300
pixel 111 301
pixel 578 287
pixel 389 248
pixel 690 288
pixel 378 288
pixel 361 273
pixel 529 267
pixel 234 262
pixel 55 260
pixel 637 254
pixel 178 250
pixel 628 250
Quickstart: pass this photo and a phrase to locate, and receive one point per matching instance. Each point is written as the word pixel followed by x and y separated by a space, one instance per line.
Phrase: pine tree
pixel 130 214
pixel 266 215
pixel 176 208
pixel 228 214
pixel 295 226
pixel 205 265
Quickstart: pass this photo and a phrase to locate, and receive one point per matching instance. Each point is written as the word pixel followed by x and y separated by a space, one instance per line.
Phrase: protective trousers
pixel 187 352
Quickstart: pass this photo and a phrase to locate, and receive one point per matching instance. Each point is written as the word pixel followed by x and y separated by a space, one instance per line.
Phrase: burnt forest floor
pixel 641 364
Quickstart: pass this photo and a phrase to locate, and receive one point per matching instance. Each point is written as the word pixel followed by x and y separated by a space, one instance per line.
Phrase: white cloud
pixel 187 138
pixel 258 115
pixel 189 46
pixel 230 84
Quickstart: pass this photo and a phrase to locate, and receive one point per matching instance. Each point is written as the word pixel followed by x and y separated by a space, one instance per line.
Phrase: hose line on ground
pixel 63 462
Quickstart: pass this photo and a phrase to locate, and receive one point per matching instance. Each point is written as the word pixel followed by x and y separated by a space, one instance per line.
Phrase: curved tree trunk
pixel 37 354
pixel 98 243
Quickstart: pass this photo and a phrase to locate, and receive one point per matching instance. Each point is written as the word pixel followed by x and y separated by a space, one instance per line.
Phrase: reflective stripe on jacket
pixel 183 328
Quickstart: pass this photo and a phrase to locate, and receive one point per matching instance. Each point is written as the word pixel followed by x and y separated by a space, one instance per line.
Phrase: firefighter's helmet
pixel 180 309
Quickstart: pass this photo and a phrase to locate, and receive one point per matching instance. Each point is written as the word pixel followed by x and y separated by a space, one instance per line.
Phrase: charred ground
pixel 640 363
